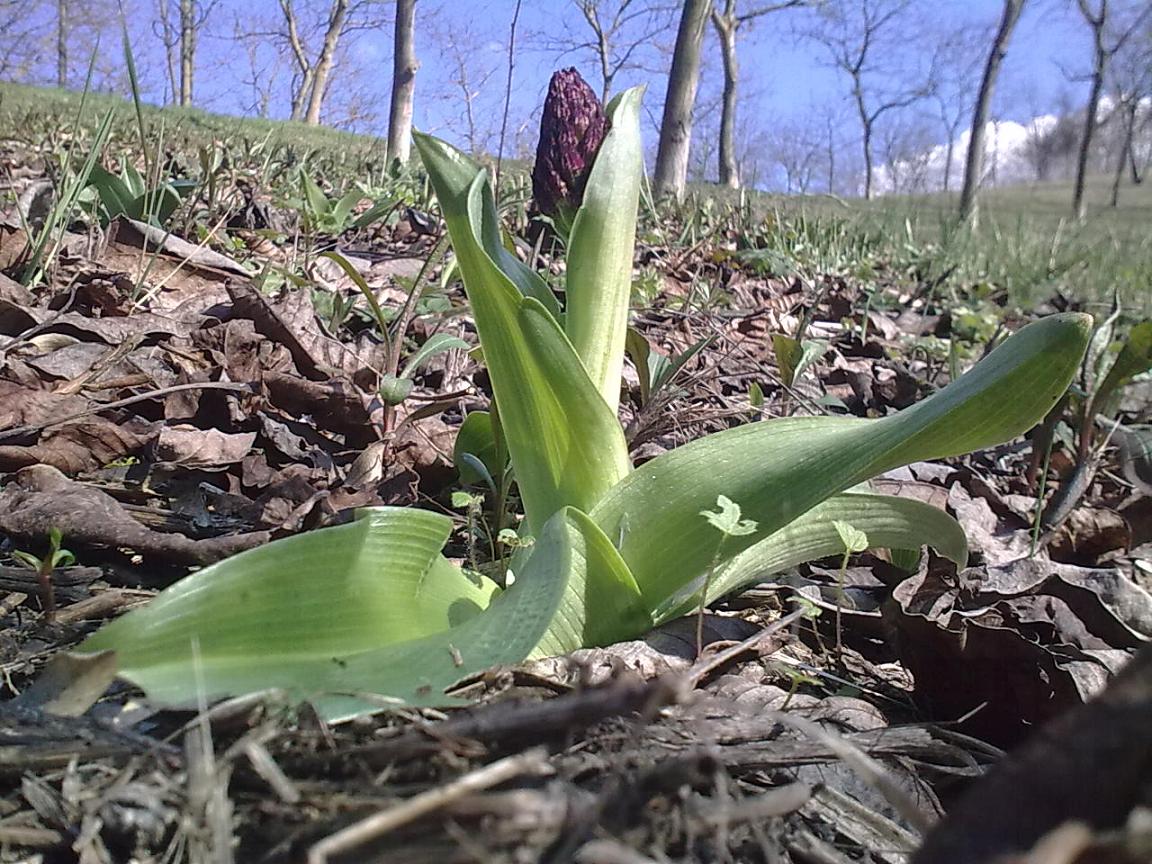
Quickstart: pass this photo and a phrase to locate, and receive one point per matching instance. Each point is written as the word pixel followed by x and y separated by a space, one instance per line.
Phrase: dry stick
pixel 701 670
pixel 865 767
pixel 532 761
pixel 122 403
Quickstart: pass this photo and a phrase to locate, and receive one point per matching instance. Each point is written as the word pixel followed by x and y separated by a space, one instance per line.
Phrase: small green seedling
pixel 855 541
pixel 727 521
pixel 45 567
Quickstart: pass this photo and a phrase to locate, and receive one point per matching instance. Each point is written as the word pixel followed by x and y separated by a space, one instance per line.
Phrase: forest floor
pixel 184 375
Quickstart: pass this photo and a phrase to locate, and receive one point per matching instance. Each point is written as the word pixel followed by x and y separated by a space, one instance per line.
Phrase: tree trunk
pixel 324 64
pixel 303 64
pixel 62 43
pixel 1099 65
pixel 187 49
pixel 726 29
pixel 831 159
pixel 403 82
pixel 974 164
pixel 865 137
pixel 671 172
pixel 1129 107
pixel 948 164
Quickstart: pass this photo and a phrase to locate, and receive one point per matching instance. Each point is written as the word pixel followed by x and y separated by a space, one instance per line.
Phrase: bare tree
pixel 1101 22
pixel 314 42
pixel 728 23
pixel 613 35
pixel 178 25
pixel 958 68
pixel 1131 75
pixel 403 81
pixel 862 38
pixel 974 164
pixel 796 153
pixel 21 38
pixel 671 172
pixel 469 74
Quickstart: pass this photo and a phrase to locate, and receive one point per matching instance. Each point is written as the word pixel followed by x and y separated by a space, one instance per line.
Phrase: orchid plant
pixel 372 614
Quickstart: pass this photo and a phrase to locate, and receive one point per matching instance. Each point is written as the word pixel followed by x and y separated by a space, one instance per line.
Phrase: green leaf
pixel 601 602
pixel 780 469
pixel 156 206
pixel 664 370
pixel 377 211
pixel 343 208
pixel 353 587
pixel 477 438
pixel 289 615
pixel 887 520
pixel 394 389
pixel 133 179
pixel 438 343
pixel 640 351
pixel 600 250
pixel 453 177
pixel 317 201
pixel 853 538
pixel 338 615
pixel 727 519
pixel 793 356
pixel 1135 357
pixel 115 196
pixel 565 443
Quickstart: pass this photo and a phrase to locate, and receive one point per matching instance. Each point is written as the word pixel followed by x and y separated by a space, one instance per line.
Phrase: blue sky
pixel 781 77
pixel 785 80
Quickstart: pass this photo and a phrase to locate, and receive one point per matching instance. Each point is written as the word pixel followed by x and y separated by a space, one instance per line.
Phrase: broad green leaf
pixel 114 193
pixel 377 211
pixel 332 592
pixel 437 343
pixel 418 672
pixel 156 206
pixel 600 250
pixel 133 179
pixel 793 356
pixel 317 201
pixel 477 437
pixel 453 175
pixel 343 208
pixel 601 603
pixel 887 520
pixel 779 469
pixel 289 617
pixel 1135 357
pixel 565 444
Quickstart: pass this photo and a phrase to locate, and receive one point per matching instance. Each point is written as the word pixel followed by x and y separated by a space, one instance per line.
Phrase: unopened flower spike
pixel 571 132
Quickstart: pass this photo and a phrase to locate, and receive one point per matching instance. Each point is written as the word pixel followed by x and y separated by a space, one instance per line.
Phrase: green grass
pixel 1026 243
pixel 38 105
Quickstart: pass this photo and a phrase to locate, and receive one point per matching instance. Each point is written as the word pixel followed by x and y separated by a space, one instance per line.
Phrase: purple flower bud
pixel 571 132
